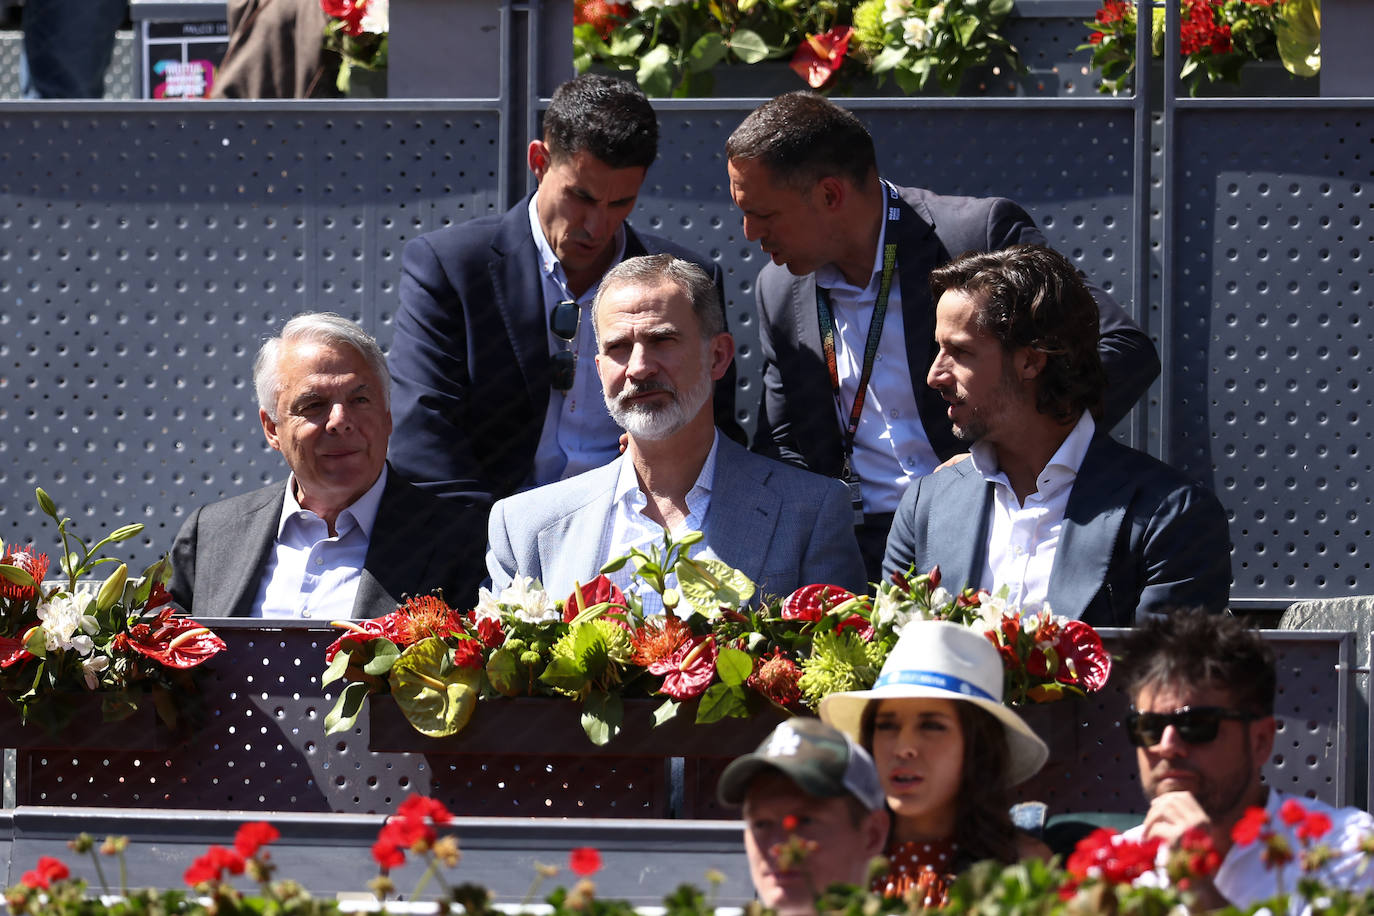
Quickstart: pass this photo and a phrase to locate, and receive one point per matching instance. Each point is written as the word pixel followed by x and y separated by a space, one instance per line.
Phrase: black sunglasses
pixel 563 322
pixel 1194 724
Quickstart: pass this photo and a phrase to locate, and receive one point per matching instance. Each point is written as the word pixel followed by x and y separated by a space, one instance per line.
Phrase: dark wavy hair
pixel 1191 648
pixel 983 826
pixel 1031 296
pixel 802 137
pixel 609 118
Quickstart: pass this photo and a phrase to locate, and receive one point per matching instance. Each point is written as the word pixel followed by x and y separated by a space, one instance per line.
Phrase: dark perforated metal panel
pixel 1273 381
pixel 146 251
pixel 264 748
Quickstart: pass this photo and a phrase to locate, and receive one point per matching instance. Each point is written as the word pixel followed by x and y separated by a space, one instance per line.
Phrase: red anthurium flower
pixel 1248 828
pixel 174 642
pixel 12 651
pixel 350 12
pixel 392 626
pixel 688 671
pixel 157 597
pixel 810 602
pixel 819 56
pixel 1082 660
pixel 584 861
pixel 859 624
pixel 598 591
pixel 35 564
pixel 44 873
pixel 212 866
pixel 253 836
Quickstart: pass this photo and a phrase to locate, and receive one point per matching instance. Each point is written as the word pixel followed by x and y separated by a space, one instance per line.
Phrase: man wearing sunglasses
pixel 661 346
pixel 1202 719
pixel 494 386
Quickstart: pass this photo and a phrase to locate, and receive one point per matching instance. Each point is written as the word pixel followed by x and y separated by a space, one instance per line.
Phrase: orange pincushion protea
pixel 424 616
pixel 655 641
pixel 35 564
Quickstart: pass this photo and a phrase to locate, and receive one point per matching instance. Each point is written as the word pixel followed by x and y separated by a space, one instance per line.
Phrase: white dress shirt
pixel 1023 538
pixel 578 433
pixel 890 447
pixel 310 574
pixel 630 527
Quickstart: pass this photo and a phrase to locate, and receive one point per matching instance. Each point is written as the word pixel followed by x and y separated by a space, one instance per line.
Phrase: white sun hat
pixel 935 658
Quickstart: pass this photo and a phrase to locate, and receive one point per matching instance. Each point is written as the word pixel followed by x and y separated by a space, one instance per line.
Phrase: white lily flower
pixel 61 618
pixel 915 32
pixel 91 668
pixel 530 601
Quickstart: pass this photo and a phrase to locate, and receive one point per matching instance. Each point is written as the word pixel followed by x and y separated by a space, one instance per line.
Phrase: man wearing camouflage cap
pixel 807 788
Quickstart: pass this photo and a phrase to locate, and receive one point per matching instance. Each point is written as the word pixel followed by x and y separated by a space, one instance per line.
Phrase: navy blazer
pixel 797 417
pixel 781 526
pixel 470 361
pixel 419 543
pixel 1138 537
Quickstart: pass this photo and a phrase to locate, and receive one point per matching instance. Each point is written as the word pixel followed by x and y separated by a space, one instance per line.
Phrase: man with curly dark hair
pixel 1048 504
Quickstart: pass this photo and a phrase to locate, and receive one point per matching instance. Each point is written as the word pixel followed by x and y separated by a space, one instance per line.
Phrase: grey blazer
pixel 419 543
pixel 1138 537
pixel 781 526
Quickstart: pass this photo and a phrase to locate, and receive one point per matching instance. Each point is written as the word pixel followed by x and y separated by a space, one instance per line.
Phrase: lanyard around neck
pixel 875 333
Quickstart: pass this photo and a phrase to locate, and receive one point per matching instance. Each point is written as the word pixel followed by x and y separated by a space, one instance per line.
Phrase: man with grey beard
pixel 661 345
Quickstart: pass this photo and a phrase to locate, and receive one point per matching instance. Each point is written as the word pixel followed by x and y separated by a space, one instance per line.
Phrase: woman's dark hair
pixel 983 827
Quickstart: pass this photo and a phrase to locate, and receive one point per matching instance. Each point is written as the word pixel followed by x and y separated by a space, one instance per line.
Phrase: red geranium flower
pixel 253 836
pixel 489 631
pixel 174 642
pixel 584 861
pixel 819 56
pixel 1313 827
pixel 1292 812
pixel 690 670
pixel 468 654
pixel 1117 859
pixel 420 806
pixel 44 873
pixel 1248 828
pixel 212 866
pixel 811 602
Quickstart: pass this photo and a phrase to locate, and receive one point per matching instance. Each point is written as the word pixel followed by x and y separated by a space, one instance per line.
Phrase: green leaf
pixel 626 44
pixel 889 58
pixel 345 711
pixel 46 504
pixel 36 644
pixel 503 670
pixel 615 565
pixel 335 670
pixel 655 75
pixel 708 51
pixel 437 697
pixel 1000 8
pixel 746 5
pixel 719 701
pixel 734 666
pixel 567 675
pixel 384 655
pixel 708 583
pixel 1299 34
pixel 748 45
pixel 965 27
pixel 665 712
pixel 602 715
pixel 18 576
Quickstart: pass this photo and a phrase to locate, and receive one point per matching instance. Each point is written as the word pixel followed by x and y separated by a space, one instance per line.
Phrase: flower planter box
pixel 87 730
pixel 543 726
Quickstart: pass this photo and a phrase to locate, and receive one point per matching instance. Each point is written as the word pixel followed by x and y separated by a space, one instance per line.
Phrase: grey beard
pixel 655 423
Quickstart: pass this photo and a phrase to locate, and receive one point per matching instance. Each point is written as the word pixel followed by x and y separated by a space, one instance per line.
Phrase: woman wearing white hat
pixel 948 752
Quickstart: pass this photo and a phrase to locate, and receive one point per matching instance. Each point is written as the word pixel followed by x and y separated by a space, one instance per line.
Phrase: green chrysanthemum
pixel 838 662
pixel 589 655
pixel 869 32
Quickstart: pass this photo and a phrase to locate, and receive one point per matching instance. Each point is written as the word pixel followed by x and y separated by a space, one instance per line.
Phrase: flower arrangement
pixel 1106 873
pixel 925 41
pixel 357 30
pixel 121 640
pixel 713 650
pixel 670 46
pixel 1217 38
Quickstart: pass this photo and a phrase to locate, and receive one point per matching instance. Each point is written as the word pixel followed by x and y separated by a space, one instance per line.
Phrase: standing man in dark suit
pixel 492 357
pixel 1048 504
pixel 344 536
pixel 846 314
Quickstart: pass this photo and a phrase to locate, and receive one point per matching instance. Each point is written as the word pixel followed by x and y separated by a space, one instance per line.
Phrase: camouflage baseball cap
pixel 821 760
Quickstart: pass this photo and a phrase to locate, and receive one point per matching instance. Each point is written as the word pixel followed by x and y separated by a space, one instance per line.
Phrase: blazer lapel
pixel 743 513
pixel 518 287
pixel 574 548
pixel 242 559
pixel 918 253
pixel 1092 520
pixel 961 558
pixel 396 551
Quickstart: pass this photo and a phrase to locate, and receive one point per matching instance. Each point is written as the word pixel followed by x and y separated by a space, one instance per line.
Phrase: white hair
pixel 315 327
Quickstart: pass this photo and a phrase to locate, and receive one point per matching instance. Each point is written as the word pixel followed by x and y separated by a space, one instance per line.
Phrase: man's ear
pixel 1029 363
pixel 1261 735
pixel 832 192
pixel 269 429
pixel 874 833
pixel 722 352
pixel 540 158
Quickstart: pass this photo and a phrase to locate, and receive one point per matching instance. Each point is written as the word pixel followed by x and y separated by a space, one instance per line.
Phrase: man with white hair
pixel 343 536
pixel 661 345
